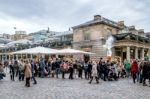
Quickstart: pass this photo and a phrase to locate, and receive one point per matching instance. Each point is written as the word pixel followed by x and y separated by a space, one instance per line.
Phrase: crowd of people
pixel 106 70
pixel 140 71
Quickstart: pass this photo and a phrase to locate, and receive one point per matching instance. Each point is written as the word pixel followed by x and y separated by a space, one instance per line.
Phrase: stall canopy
pixel 73 51
pixel 36 50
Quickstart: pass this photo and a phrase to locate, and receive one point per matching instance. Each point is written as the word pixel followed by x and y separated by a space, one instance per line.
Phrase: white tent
pixel 73 51
pixel 36 50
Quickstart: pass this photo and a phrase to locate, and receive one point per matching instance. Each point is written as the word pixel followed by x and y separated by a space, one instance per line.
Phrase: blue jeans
pixel 1 77
pixel 42 72
pixel 34 78
pixel 57 71
pixel 86 73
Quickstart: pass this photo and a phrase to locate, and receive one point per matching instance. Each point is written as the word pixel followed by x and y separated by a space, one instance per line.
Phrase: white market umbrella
pixel 73 51
pixel 37 50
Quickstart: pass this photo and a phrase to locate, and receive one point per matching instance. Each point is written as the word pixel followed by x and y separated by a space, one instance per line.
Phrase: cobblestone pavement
pixel 52 88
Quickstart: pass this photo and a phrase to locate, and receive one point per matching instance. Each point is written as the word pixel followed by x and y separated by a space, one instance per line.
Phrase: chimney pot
pixel 97 17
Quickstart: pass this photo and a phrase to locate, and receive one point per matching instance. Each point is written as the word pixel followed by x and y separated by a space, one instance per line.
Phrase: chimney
pixel 132 27
pixel 148 34
pixel 120 24
pixel 141 31
pixel 97 17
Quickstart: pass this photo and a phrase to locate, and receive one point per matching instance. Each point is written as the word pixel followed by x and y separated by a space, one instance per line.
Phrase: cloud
pixel 59 15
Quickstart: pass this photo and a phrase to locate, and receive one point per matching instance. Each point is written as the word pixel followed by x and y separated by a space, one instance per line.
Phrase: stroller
pixel 123 73
pixel 2 74
pixel 112 75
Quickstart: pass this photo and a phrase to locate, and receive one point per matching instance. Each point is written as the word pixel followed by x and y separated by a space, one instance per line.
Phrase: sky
pixel 60 15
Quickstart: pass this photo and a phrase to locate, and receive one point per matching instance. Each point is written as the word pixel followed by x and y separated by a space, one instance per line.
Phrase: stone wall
pixel 98 36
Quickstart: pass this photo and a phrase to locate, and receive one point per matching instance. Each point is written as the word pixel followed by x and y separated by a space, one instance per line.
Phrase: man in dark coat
pixel 148 69
pixel 12 71
pixel 89 70
pixel 104 70
pixel 145 73
pixel 57 67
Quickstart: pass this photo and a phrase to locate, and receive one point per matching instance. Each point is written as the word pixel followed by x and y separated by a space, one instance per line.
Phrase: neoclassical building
pixel 129 43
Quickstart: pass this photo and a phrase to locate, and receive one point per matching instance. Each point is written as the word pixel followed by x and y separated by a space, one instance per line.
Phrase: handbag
pixel 45 72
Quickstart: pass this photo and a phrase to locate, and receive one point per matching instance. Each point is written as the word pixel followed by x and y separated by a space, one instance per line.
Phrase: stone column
pixel 56 55
pixel 136 53
pixel 142 54
pixel 31 56
pixel 149 54
pixel 21 56
pixel 26 56
pixel 0 57
pixel 9 57
pixel 16 57
pixel 13 57
pixel 128 53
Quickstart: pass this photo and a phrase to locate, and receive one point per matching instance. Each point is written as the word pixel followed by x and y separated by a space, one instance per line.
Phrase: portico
pixel 128 48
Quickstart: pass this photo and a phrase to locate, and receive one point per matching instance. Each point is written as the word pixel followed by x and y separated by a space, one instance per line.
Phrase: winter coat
pixel 114 69
pixel 89 68
pixel 64 67
pixel 148 69
pixel 28 71
pixel 145 70
pixel 134 67
pixel 53 66
pixel 127 66
pixel 94 70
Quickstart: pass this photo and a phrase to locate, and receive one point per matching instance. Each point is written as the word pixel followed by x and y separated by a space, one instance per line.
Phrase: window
pixel 86 36
pixel 109 31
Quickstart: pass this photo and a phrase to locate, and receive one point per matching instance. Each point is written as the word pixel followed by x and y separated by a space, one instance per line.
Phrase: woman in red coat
pixel 134 70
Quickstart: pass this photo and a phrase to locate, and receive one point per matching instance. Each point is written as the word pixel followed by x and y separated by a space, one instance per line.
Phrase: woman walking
pixel 94 72
pixel 134 70
pixel 28 73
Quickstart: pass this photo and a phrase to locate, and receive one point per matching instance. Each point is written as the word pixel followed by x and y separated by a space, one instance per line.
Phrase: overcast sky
pixel 59 15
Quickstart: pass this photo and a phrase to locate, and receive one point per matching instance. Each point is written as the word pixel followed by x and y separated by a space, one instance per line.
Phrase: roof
pixel 123 36
pixel 4 41
pixel 99 21
pixel 22 41
pixel 64 33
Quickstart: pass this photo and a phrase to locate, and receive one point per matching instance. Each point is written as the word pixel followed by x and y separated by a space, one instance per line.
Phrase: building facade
pixel 19 35
pixel 93 35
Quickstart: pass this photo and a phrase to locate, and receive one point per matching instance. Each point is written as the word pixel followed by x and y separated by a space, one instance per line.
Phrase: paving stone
pixel 52 88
